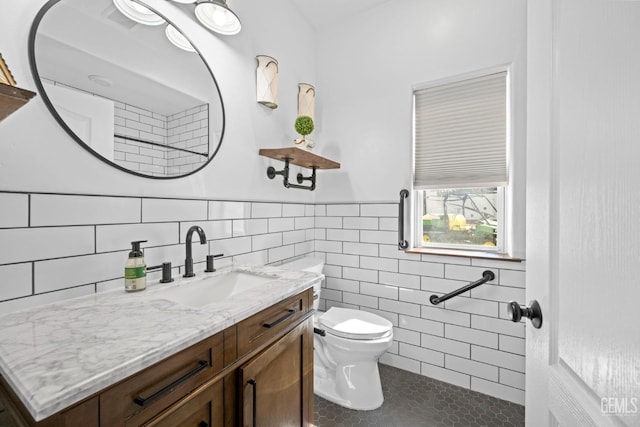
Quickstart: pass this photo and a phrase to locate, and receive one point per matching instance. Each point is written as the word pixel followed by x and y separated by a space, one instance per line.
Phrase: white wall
pixel 365 76
pixel 368 65
pixel 37 155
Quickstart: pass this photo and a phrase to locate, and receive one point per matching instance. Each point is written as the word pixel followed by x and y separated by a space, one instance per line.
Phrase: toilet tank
pixel 311 264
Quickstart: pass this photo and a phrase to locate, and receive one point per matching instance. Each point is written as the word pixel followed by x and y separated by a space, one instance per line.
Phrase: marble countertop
pixel 58 354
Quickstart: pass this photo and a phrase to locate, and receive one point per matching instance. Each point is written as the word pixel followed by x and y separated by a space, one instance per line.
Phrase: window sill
pixel 464 254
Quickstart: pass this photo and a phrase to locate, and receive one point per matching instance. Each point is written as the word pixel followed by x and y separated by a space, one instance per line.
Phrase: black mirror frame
pixel 61 122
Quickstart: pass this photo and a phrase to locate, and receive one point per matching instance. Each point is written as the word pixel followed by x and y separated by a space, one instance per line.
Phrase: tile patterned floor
pixel 412 400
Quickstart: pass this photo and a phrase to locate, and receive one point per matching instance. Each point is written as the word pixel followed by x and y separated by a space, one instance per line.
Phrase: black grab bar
pixel 402 243
pixel 487 276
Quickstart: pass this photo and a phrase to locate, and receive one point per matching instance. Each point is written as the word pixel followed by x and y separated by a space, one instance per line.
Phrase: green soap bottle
pixel 135 270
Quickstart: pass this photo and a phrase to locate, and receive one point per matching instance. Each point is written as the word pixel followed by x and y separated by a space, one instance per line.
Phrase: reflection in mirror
pixel 124 91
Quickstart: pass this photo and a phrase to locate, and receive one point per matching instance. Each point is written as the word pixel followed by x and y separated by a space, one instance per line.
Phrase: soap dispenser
pixel 135 270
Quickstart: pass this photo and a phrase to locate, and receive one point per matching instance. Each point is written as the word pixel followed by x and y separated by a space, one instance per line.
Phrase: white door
pixel 90 117
pixel 583 212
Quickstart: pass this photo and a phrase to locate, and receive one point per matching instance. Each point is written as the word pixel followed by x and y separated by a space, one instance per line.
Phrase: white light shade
pixel 216 16
pixel 178 39
pixel 137 12
pixel 267 81
pixel 306 99
pixel 184 1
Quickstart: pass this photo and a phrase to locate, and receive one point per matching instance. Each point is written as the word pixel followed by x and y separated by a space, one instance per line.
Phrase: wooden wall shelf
pixel 299 157
pixel 12 98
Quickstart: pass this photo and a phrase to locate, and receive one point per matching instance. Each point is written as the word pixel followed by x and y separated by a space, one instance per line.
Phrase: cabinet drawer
pixel 202 408
pixel 263 326
pixel 138 398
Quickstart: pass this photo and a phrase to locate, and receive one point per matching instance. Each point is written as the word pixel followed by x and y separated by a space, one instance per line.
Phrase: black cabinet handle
pixel 290 313
pixel 139 400
pixel 253 384
pixel 203 424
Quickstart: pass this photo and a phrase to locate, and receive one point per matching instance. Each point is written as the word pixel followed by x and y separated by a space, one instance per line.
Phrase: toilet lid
pixel 355 324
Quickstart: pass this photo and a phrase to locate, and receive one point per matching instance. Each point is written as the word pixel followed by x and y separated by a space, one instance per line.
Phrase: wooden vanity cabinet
pixel 207 384
pixel 277 385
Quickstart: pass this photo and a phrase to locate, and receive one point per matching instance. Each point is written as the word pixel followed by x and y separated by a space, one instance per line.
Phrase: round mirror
pixel 137 96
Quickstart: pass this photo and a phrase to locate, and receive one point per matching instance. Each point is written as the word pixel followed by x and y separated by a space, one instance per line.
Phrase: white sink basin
pixel 206 290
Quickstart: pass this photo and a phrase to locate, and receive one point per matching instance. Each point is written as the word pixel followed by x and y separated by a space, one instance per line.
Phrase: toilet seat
pixel 355 324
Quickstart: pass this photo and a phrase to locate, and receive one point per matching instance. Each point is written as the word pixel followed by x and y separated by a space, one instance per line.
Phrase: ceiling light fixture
pixel 137 12
pixel 216 15
pixel 178 39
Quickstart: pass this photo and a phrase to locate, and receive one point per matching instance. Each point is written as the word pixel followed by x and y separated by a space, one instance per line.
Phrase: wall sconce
pixel 306 100
pixel 267 81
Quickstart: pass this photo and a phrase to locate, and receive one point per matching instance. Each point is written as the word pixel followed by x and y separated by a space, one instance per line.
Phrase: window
pixel 460 171
pixel 460 216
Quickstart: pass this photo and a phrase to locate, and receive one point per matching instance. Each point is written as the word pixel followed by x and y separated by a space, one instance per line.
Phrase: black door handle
pixel 533 312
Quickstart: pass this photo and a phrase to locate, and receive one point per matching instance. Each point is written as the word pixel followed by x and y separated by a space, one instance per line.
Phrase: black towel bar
pixel 487 276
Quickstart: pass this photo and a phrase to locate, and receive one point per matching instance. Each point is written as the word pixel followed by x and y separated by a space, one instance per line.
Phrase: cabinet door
pixel 202 408
pixel 277 385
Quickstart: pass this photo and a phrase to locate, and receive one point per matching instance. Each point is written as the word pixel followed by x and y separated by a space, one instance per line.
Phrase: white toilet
pixel 346 357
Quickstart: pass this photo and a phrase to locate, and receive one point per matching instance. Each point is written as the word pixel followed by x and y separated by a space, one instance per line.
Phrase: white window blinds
pixel 460 134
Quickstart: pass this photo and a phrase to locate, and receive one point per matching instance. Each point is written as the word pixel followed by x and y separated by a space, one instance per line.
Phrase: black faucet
pixel 188 262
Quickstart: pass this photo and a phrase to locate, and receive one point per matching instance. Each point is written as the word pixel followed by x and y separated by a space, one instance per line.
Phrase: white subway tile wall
pixel 51 210
pixel 466 340
pixel 187 130
pixel 54 247
pixel 134 122
pixel 20 278
pixel 14 210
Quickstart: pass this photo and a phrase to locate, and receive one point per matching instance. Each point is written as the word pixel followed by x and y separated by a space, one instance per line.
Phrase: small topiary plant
pixel 303 125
